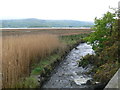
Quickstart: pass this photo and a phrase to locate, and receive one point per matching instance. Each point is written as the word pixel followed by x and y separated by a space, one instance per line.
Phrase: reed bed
pixel 0 62
pixel 20 52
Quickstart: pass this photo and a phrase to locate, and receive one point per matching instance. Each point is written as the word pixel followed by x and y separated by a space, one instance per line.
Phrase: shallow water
pixel 68 74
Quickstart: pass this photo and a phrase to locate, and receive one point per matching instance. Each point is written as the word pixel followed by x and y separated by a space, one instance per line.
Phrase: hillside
pixel 31 22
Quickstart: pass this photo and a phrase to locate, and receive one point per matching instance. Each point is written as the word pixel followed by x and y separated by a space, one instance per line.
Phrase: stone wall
pixel 114 83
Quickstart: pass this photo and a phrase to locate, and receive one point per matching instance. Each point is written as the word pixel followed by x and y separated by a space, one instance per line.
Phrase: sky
pixel 82 10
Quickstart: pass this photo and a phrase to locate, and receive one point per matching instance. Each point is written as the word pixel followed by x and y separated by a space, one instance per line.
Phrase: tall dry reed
pixel 20 52
pixel 0 62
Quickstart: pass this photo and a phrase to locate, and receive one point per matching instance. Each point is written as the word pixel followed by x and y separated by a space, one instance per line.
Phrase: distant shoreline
pixel 51 28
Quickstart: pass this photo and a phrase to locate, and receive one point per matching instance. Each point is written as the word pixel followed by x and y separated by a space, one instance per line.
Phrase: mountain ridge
pixel 33 22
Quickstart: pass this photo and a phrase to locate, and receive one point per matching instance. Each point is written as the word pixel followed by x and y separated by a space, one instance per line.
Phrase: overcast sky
pixel 83 10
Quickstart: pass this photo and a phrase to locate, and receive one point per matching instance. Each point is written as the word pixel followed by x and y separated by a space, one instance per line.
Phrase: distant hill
pixel 34 23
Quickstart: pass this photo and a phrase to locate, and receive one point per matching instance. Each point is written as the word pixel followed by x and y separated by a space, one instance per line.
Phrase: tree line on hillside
pixel 35 23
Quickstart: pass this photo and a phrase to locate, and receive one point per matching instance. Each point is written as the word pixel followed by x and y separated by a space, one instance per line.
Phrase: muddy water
pixel 68 74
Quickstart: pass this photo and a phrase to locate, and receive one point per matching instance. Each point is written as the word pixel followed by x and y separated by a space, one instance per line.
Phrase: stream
pixel 68 74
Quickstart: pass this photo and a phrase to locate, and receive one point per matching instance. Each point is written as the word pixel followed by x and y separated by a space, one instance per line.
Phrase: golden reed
pixel 20 52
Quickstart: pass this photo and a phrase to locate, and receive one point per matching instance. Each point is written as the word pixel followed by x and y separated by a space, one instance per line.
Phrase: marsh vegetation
pixel 22 52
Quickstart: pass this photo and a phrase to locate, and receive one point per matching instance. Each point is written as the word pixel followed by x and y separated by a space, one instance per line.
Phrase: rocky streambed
pixel 67 74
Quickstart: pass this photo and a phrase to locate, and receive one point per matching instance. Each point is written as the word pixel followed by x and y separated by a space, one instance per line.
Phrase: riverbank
pixel 43 68
pixel 68 74
pixel 105 42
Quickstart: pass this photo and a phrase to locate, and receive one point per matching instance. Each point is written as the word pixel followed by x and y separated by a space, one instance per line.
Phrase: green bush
pixel 105 42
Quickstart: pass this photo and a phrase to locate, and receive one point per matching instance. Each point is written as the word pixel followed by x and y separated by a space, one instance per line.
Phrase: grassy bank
pixel 47 64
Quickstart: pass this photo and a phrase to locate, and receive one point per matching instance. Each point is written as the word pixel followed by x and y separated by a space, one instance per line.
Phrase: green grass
pixel 72 39
pixel 38 68
pixel 29 82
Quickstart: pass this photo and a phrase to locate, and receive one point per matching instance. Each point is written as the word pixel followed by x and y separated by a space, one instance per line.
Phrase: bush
pixel 105 42
pixel 105 72
pixel 88 59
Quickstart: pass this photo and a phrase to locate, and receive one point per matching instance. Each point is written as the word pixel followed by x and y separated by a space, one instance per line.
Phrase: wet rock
pixel 101 87
pixel 81 80
pixel 89 82
pixel 76 48
pixel 92 82
pixel 40 81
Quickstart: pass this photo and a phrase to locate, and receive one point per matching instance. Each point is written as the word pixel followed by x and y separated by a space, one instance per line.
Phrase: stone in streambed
pixel 81 80
pixel 92 82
